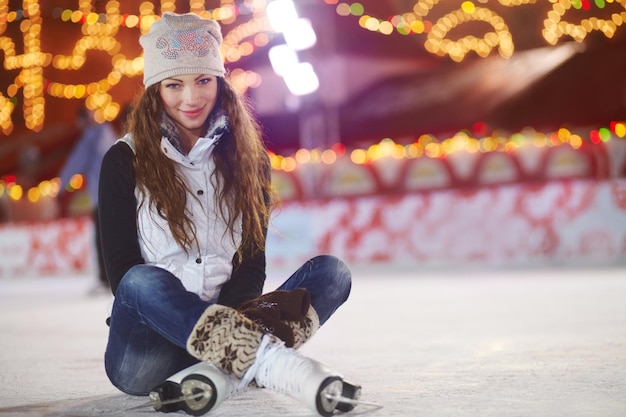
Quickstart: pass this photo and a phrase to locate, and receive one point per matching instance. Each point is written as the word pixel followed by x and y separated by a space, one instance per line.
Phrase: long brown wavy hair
pixel 241 179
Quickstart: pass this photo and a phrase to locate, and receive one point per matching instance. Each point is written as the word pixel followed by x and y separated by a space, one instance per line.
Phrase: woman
pixel 185 204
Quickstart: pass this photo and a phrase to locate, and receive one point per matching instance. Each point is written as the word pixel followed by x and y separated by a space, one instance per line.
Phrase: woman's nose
pixel 191 96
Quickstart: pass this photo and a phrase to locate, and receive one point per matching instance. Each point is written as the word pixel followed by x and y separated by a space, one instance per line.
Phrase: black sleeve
pixel 248 278
pixel 117 209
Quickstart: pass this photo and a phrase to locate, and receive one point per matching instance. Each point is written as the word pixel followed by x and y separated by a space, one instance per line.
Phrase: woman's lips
pixel 192 114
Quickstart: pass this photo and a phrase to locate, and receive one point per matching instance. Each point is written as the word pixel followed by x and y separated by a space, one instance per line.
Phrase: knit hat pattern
pixel 179 44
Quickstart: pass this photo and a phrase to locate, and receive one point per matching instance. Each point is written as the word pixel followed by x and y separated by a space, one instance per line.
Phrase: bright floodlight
pixel 281 13
pixel 301 79
pixel 282 58
pixel 299 34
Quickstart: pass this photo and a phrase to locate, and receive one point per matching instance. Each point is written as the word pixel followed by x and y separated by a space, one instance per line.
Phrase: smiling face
pixel 188 100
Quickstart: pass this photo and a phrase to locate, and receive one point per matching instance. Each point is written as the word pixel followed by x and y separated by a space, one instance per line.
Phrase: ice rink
pixel 527 343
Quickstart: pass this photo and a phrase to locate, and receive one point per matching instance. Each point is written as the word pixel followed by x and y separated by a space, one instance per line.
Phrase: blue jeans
pixel 153 315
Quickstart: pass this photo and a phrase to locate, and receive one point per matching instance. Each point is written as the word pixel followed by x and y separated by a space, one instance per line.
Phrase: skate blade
pixel 369 406
pixel 183 398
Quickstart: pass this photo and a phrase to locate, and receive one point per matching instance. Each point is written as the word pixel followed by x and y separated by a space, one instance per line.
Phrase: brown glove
pixel 277 311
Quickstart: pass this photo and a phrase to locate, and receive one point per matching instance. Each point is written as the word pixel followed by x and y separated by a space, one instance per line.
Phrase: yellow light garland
pixel 99 33
pixel 416 22
pixel 424 146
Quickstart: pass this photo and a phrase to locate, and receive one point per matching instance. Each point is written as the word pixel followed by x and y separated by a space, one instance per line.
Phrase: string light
pixel 426 145
pixel 419 21
pixel 98 32
pixel 432 147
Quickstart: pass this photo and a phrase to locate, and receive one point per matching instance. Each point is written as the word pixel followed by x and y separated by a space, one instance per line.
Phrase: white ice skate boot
pixel 196 390
pixel 284 370
pixel 238 347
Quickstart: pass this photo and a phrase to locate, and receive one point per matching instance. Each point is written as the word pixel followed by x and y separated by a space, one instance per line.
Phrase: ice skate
pixel 196 390
pixel 238 347
pixel 284 370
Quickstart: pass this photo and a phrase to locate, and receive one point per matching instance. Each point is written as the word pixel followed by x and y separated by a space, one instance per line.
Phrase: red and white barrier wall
pixel 536 206
pixel 566 222
pixel 54 247
pixel 556 223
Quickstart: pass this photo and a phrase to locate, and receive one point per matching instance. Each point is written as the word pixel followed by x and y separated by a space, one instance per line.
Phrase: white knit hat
pixel 180 44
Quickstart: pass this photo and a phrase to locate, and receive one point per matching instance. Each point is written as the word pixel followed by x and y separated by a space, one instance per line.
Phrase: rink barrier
pixel 53 247
pixel 459 170
pixel 567 222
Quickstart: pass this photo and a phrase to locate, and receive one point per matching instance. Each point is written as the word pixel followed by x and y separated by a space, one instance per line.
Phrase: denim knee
pixel 329 283
pixel 140 278
pixel 132 280
pixel 338 272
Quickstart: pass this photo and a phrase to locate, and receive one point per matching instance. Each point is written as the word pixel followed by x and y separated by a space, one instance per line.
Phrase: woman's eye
pixel 204 81
pixel 173 85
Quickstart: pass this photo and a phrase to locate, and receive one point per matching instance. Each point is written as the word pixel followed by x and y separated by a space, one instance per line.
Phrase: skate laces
pixel 278 368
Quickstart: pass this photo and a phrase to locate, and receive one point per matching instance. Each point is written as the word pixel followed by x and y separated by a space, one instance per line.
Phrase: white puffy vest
pixel 205 269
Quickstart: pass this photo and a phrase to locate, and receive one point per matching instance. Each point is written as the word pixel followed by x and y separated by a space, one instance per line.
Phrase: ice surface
pixel 527 343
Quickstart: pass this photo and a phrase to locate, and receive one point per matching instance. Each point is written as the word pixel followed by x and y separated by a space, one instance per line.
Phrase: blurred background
pixel 413 132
